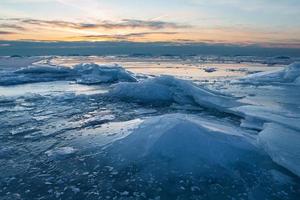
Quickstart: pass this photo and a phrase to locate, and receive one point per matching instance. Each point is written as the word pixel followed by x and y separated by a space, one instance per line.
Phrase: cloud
pixel 131 23
pixel 12 26
pixel 153 24
pixel 126 36
pixel 125 23
pixel 6 32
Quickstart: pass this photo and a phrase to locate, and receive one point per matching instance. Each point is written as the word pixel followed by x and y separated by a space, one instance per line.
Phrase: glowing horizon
pixel 262 22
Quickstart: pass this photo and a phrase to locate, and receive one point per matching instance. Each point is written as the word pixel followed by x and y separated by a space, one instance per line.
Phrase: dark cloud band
pixel 125 23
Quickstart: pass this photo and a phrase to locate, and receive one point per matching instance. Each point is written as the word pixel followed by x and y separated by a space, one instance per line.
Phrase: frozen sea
pixel 141 127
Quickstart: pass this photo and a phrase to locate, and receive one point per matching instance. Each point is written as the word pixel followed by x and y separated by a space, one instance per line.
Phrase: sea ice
pixel 95 145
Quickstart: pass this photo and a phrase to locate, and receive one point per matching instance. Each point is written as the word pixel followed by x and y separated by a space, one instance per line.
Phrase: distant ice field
pixel 186 67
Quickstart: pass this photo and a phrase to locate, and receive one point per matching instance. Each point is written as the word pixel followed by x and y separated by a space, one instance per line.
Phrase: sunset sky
pixel 265 22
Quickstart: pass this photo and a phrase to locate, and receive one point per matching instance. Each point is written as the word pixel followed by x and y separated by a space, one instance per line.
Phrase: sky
pixel 244 22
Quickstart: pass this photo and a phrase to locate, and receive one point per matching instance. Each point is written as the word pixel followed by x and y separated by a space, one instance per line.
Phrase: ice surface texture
pixel 82 73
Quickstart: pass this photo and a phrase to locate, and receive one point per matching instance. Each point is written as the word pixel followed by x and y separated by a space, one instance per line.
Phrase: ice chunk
pixel 82 73
pixel 44 69
pixel 186 141
pixel 210 69
pixel 256 115
pixel 283 145
pixel 290 74
pixel 93 73
pixel 252 123
pixel 177 146
pixel 165 90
